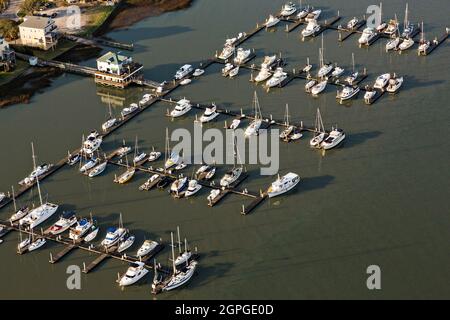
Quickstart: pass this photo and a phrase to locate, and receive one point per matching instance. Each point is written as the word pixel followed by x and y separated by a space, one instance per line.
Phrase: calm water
pixel 381 199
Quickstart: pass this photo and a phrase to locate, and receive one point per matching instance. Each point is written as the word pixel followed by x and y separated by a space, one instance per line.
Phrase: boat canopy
pixel 111 229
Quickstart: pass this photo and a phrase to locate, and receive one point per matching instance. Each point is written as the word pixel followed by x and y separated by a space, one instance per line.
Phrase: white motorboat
pixel 154 155
pixel 309 85
pixel 185 81
pixel 313 15
pixel 226 69
pixel 367 35
pixel 393 43
pixel 406 44
pixel 36 244
pixel 179 185
pixel 317 140
pixel 150 182
pixel 382 81
pixel 80 229
pixel 123 151
pixel 347 93
pixel 73 159
pixel 92 143
pixel 394 84
pixel 242 55
pixel 234 124
pixel 288 9
pixel 268 61
pixel 92 233
pixel 337 71
pixel 381 27
pixel 108 124
pixel 335 138
pixel 66 220
pixel 2 196
pixel 350 79
pixel 325 70
pixel 209 114
pixel 271 21
pixel 183 71
pixel 263 75
pixel 126 243
pixel 147 247
pixel 89 165
pixel 283 184
pixel 126 176
pixel 227 52
pixel 181 166
pixel 369 95
pixel 234 72
pixel 318 88
pixel 198 72
pixel 205 172
pixel 37 172
pixel 97 170
pixel 19 214
pixel 135 272
pixel 352 23
pixel 23 245
pixel 213 195
pixel 39 215
pixel 392 27
pixel 278 77
pixel 193 188
pixel 145 99
pixel 129 110
pixel 113 236
pixel 304 12
pixel 231 176
pixel 311 28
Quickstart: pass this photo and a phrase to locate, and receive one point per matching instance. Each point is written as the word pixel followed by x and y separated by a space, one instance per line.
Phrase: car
pixel 54 14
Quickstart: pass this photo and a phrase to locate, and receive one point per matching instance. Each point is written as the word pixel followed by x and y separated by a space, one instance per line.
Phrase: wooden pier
pixel 62 254
pixel 248 209
pixel 98 41
pixel 344 34
pixel 434 45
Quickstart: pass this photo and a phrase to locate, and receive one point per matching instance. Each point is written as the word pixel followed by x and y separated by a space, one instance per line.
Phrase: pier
pixel 98 41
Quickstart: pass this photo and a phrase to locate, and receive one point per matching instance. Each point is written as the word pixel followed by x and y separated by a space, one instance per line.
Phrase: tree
pixel 28 6
pixel 3 5
pixel 9 29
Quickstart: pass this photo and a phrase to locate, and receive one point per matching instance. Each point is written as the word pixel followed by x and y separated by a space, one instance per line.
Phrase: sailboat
pixel 111 121
pixel 393 43
pixel 174 158
pixel 382 24
pixel 179 277
pixel 41 213
pixel 325 68
pixel 185 255
pixel 423 44
pixel 21 212
pixel 231 176
pixel 127 175
pixel 354 75
pixel 139 158
pixel 255 125
pixel 408 28
pixel 319 132
pixel 290 131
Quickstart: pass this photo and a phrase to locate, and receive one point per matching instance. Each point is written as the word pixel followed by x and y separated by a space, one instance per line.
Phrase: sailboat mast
pixel 14 199
pixel 322 53
pixel 179 240
pixel 173 254
pixel 381 12
pixel 37 177
pixel 353 61
pixel 287 114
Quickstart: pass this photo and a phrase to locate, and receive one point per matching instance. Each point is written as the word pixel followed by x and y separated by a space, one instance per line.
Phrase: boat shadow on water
pixel 354 139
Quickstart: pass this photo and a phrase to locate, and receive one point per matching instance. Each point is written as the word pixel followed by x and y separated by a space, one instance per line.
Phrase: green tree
pixel 9 29
pixel 29 6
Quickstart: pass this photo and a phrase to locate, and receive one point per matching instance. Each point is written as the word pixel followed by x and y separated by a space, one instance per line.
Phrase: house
pixel 7 56
pixel 38 32
pixel 116 70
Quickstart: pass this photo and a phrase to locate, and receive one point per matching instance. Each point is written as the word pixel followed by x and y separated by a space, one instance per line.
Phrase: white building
pixel 116 70
pixel 39 32
pixel 7 56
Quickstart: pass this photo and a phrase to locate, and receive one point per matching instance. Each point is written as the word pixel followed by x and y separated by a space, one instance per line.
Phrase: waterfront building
pixel 7 56
pixel 38 32
pixel 116 69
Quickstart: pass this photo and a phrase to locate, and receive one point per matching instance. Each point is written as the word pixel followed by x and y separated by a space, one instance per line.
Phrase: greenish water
pixel 380 199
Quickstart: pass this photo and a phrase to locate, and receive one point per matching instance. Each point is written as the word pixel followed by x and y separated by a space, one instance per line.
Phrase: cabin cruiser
pixel 230 177
pixel 145 99
pixel 318 88
pixel 213 195
pixel 382 81
pixel 348 92
pixel 313 15
pixel 325 70
pixel 369 95
pixel 126 176
pixel 283 184
pixel 287 132
pixel 150 182
pixel 80 229
pixel 129 110
pixel 408 30
pixel 193 188
pixel 179 185
pixel 89 165
pixel 391 28
pixel 227 52
pixel 181 277
pixel 423 46
pixel 226 70
pixel 173 160
pixel 311 28
pixel 108 124
pixel 36 244
pixel 394 84
pixel 352 23
pixel 205 172
pixel 146 248
pixel 39 215
pixel 23 245
pixel 278 77
pixel 73 159
pixel 288 9
pixel 304 12
pixel 135 272
pixel 39 171
pixel 406 44
pixel 271 21
pixel 66 220
pixel 263 75
pixel 183 71
pixel 154 155
pixel 198 72
pixel 337 71
pixel 92 143
pixel 234 72
pixel 113 236
pixel 393 43
pixel 242 55
pixel 98 169
pixel 253 128
pixel 367 35
pixel 126 243
pixel 351 78
pixel 268 61
pixel 209 114
pixel 19 214
pixel 335 137
pixel 317 140
pixel 309 85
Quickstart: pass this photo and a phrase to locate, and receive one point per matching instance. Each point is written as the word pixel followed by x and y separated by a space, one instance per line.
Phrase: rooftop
pixel 36 22
pixel 112 57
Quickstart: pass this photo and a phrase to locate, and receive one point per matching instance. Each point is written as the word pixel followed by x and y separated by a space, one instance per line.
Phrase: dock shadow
pixel 412 82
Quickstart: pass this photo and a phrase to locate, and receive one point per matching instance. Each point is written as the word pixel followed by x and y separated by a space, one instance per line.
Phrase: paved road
pixel 11 11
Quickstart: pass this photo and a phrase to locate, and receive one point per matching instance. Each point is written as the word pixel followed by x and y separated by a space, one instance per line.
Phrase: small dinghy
pixel 198 72
pixel 125 244
pixel 36 244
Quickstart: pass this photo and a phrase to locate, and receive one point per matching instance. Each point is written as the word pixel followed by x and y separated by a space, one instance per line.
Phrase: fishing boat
pixel 318 88
pixel 135 272
pixel 242 55
pixel 347 93
pixel 268 61
pixel 213 195
pixel 271 21
pixel 198 72
pixel 352 23
pixel 89 165
pixel 145 99
pixel 184 256
pixel 382 81
pixel 334 139
pixel 125 243
pixel 392 27
pixel 263 75
pixel 183 71
pixel 369 95
pixel 40 214
pixel 406 44
pixel 147 247
pixel 36 244
pixel 283 184
pixel 113 236
pixel 139 157
pixel 408 27
pixel 226 69
pixel 367 35
pixel 80 229
pixel 110 121
pixel 129 110
pixel 288 9
pixel 311 28
pixel 179 277
pixel 319 131
pixel 193 188
pixel 92 143
pixel 255 125
pixel 234 72
pixel 66 220
pixel 209 114
pixel 179 185
pixel 278 77
pixel 227 52
pixel 154 155
pixel 308 86
pixel 97 170
pixel 73 159
pixel 423 44
pixel 205 172
pixel 394 84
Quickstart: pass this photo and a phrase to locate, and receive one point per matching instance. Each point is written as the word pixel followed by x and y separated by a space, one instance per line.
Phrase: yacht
pixel 278 77
pixel 288 9
pixel 394 84
pixel 126 176
pixel 135 272
pixel 125 244
pixel 183 71
pixel 173 160
pixel 66 220
pixel 263 75
pixel 129 110
pixel 92 143
pixel 108 124
pixel 80 229
pixel 209 114
pixel 350 79
pixel 287 132
pixel 318 88
pixel 283 184
pixel 268 61
pixel 154 155
pixel 179 185
pixel 139 157
pixel 184 256
pixel 145 99
pixel 367 35
pixel 205 172
pixel 423 44
pixel 311 28
pixel 408 27
pixel 213 195
pixel 193 188
pixel 337 72
pixel 382 81
pixel 406 44
pixel 335 137
pixel 325 70
pixel 234 72
pixel 319 131
pixel 313 15
pixel 227 52
pixel 97 170
pixel 226 70
pixel 36 244
pixel 19 214
pixel 271 21
pixel 309 85
pixel 392 27
pixel 37 172
pixel 73 159
pixel 393 43
pixel 198 72
pixel 317 139
pixel 352 23
pixel 149 183
pixel 146 248
pixel 369 95
pixel 113 236
pixel 304 12
pixel 230 177
pixel 89 165
pixel 255 125
pixel 242 55
pixel 347 93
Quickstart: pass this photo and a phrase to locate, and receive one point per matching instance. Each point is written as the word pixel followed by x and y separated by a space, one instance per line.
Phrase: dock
pixel 97 261
pixel 344 33
pixel 434 45
pixel 98 41
pixel 252 206
pixel 67 249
